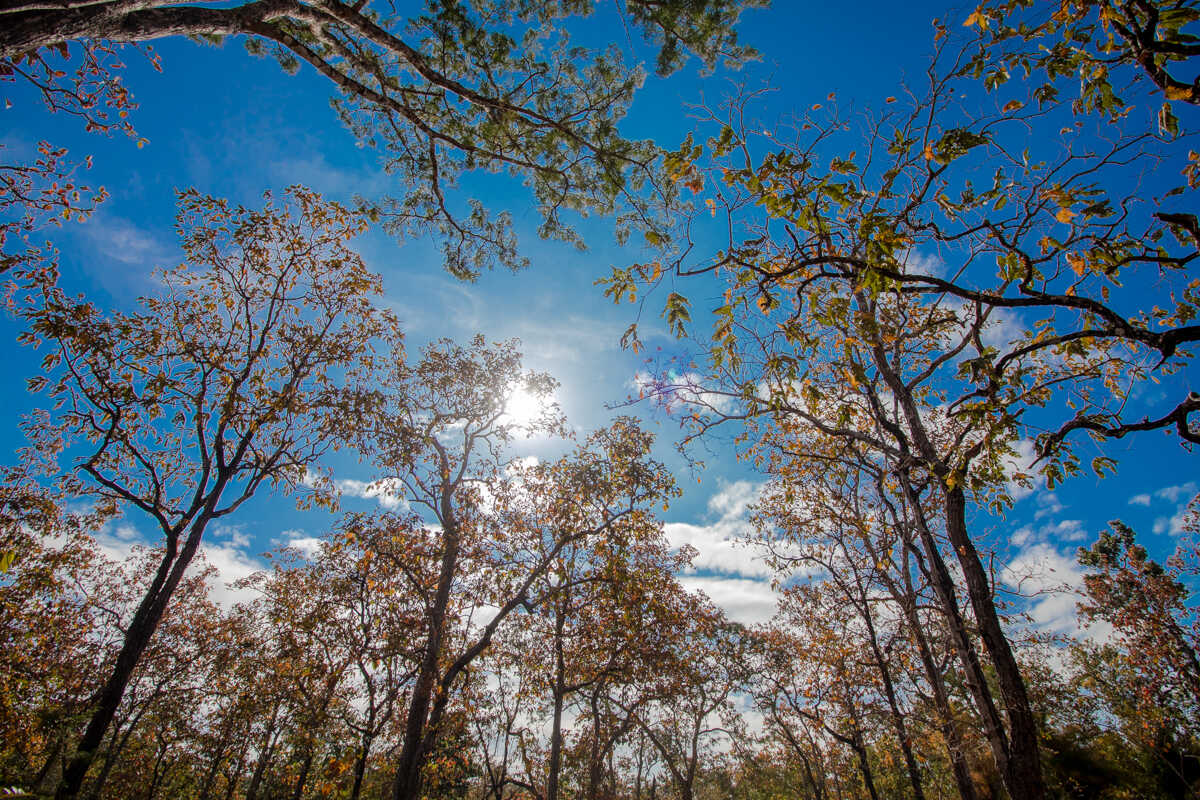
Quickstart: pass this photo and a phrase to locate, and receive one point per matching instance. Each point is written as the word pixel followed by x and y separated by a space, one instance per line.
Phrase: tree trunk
pixel 145 621
pixel 960 639
pixel 50 775
pixel 594 757
pixel 560 690
pixel 302 779
pixel 860 750
pixel 210 777
pixel 264 755
pixel 109 759
pixel 156 775
pixel 889 691
pixel 26 31
pixel 418 736
pixel 233 777
pixel 1017 755
pixel 941 698
pixel 360 763
pixel 1023 776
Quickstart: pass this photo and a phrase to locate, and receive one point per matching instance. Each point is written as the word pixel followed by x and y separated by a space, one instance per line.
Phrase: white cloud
pixel 1173 494
pixel 1004 327
pixel 1052 581
pixel 1048 505
pixel 308 546
pixel 717 547
pixel 1021 536
pixel 1140 500
pixel 1181 496
pixel 1172 524
pixel 746 601
pixel 720 545
pixel 734 498
pixel 1021 462
pixel 388 492
pixel 121 240
pixel 232 564
pixel 1063 530
pixel 686 389
pixel 234 533
pixel 116 540
pixel 923 264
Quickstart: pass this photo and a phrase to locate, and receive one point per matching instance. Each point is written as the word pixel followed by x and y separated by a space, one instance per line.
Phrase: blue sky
pixel 234 126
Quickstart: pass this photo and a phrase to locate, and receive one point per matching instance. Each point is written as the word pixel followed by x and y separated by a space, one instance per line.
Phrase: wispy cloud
pixel 1054 532
pixel 388 492
pixel 1173 494
pixel 120 240
pixel 1180 496
pixel 1021 463
pixel 917 263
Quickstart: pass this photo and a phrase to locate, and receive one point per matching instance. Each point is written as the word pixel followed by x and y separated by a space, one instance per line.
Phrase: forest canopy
pixel 884 491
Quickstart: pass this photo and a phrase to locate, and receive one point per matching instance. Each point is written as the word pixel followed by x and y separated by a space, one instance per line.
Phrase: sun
pixel 523 409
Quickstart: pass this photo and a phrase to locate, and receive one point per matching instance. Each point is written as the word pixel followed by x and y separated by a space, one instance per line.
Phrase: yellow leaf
pixel 928 153
pixel 1064 215
pixel 975 19
pixel 1077 263
pixel 1178 92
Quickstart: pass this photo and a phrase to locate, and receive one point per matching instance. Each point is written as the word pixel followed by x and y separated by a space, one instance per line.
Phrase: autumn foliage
pixel 921 311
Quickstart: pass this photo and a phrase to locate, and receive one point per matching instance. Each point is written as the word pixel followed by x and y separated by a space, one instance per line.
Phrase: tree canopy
pixel 896 336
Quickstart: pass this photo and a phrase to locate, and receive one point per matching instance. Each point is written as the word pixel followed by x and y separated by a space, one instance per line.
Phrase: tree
pixel 685 703
pixel 607 609
pixel 1148 607
pixel 440 432
pixel 467 85
pixel 148 740
pixel 182 411
pixel 614 608
pixel 840 536
pixel 922 284
pixel 56 634
pixel 835 536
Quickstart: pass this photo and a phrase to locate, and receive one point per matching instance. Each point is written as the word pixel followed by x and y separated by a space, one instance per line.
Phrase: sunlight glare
pixel 523 408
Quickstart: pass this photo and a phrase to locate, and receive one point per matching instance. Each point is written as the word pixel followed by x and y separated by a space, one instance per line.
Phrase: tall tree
pixel 441 433
pixel 926 287
pixel 1153 616
pixel 58 597
pixel 183 410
